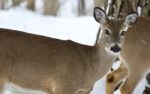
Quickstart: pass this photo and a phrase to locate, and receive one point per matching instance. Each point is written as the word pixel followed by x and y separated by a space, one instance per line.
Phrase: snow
pixel 68 8
pixel 82 30
pixel 77 29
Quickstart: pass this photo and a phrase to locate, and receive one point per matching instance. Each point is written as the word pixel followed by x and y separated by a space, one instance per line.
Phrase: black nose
pixel 115 48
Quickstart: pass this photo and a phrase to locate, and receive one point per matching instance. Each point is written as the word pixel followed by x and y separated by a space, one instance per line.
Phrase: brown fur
pixel 51 65
pixel 135 54
pixel 118 76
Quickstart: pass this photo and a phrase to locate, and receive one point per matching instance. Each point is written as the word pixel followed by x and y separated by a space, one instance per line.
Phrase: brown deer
pixel 51 66
pixel 122 71
pixel 135 55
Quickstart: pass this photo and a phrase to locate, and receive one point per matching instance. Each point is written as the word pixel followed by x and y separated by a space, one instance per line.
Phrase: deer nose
pixel 115 48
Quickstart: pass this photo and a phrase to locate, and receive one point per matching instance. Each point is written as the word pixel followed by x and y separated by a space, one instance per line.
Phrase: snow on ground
pixel 82 30
pixel 77 29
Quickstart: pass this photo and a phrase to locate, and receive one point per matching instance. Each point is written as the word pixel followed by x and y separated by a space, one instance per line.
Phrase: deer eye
pixel 107 32
pixel 122 33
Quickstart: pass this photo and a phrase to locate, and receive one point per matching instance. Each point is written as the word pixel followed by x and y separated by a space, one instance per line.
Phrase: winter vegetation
pixel 67 20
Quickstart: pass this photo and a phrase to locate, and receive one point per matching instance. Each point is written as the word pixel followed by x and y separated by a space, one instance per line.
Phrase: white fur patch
pixel 143 41
pixel 126 28
pixel 81 91
pixel 11 88
pixel 139 10
pixel 130 19
pixel 100 35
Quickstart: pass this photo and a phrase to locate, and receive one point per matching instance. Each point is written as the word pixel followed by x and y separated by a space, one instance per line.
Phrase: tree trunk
pixel 99 3
pixel 81 7
pixel 2 4
pixel 51 7
pixel 31 4
pixel 16 2
pixel 145 5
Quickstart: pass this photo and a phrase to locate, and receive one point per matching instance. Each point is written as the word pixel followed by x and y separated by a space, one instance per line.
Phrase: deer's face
pixel 113 30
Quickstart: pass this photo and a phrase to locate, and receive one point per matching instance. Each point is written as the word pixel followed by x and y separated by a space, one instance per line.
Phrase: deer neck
pixel 102 60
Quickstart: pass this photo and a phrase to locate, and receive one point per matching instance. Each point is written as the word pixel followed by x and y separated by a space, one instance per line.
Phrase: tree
pixel 99 3
pixel 81 7
pixel 51 7
pixel 16 2
pixel 3 4
pixel 145 7
pixel 31 4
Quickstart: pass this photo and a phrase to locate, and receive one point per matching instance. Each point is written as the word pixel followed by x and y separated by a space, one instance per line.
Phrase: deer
pixel 35 63
pixel 51 66
pixel 135 57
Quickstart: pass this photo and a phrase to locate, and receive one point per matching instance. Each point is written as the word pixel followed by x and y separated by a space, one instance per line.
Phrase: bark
pixel 51 7
pixel 3 4
pixel 99 3
pixel 81 7
pixel 145 5
pixel 31 4
pixel 16 2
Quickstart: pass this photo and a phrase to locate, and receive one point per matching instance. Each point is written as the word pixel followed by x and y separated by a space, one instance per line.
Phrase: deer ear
pixel 131 19
pixel 100 15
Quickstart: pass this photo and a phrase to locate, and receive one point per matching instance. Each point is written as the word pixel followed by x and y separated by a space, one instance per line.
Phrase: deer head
pixel 113 30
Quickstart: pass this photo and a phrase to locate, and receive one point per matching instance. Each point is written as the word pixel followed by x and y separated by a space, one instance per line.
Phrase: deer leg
pixel 113 78
pixel 2 85
pixel 130 83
